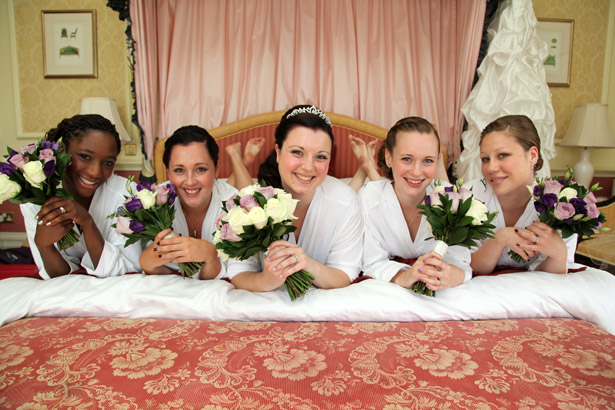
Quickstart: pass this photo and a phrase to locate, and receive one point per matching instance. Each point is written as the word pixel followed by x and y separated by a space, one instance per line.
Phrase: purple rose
pixel 136 226
pixel 227 234
pixel 267 191
pixel 49 145
pixel 18 160
pixel 580 206
pixel 46 155
pixel 230 203
pixel 549 200
pixel 30 148
pixel 563 211
pixel 6 169
pixel 590 198
pixel 465 193
pixel 162 193
pixel 49 168
pixel 537 191
pixel 123 225
pixel 592 211
pixel 552 187
pixel 133 204
pixel 248 202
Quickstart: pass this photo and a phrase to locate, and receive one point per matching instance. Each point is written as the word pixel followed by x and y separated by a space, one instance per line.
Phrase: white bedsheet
pixel 587 295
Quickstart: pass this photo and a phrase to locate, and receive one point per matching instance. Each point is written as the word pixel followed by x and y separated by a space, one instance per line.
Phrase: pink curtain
pixel 377 60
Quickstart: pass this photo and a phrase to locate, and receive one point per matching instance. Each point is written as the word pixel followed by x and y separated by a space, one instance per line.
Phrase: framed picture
pixel 557 33
pixel 69 43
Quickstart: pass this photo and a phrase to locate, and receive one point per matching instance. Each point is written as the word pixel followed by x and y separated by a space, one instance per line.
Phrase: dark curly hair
pixel 187 135
pixel 521 128
pixel 407 124
pixel 268 171
pixel 76 127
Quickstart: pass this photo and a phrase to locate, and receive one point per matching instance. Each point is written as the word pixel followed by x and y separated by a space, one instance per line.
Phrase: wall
pixel 32 104
pixel 589 72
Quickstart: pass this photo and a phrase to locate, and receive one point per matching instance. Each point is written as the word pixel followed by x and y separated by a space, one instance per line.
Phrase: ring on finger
pixel 296 259
pixel 536 243
pixel 62 210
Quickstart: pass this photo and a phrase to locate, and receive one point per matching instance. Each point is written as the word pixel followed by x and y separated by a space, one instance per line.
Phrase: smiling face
pixel 506 165
pixel 193 173
pixel 303 160
pixel 93 158
pixel 413 163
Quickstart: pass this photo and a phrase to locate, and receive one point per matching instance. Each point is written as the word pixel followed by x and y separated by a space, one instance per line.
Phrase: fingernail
pixel 421 270
pixel 155 249
pixel 518 245
pixel 160 256
pixel 48 223
pixel 421 279
pixel 516 230
pixel 158 243
pixel 36 217
pixel 40 222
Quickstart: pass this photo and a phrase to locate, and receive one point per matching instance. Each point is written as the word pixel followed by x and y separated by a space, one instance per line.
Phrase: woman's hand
pixel 289 258
pixel 517 239
pixel 183 249
pixel 57 210
pixel 418 271
pixel 441 275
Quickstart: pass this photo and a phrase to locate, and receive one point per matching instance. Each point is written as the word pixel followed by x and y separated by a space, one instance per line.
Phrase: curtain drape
pixel 211 62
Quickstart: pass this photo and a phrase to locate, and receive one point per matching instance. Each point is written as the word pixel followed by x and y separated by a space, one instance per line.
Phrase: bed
pixel 523 340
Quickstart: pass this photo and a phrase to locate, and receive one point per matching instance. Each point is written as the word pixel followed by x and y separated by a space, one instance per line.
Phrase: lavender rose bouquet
pixel 566 206
pixel 146 213
pixel 251 220
pixel 33 174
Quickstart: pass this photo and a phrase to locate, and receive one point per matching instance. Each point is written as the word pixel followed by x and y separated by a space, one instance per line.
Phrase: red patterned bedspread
pixel 88 363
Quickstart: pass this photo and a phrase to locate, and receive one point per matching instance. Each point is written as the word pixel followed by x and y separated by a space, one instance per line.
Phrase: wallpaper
pixel 44 102
pixel 588 53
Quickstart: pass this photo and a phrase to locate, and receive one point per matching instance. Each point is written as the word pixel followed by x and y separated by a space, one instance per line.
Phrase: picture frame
pixel 69 43
pixel 558 34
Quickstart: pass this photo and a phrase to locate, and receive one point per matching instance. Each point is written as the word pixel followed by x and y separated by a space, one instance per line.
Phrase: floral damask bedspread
pixel 110 363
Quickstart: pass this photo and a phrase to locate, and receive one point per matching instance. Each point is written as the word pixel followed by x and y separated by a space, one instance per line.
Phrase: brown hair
pixel 408 124
pixel 521 128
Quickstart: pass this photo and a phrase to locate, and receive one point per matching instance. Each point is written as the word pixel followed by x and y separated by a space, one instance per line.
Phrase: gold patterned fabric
pixel 91 363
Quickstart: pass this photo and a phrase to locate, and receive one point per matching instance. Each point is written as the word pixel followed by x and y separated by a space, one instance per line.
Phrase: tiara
pixel 310 110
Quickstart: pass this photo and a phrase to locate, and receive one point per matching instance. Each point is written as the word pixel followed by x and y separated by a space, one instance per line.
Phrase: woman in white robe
pixel 393 226
pixel 94 145
pixel 510 157
pixel 329 221
pixel 191 160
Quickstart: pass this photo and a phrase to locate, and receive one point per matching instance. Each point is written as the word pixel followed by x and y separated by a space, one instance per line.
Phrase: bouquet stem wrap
pixel 187 269
pixel 456 218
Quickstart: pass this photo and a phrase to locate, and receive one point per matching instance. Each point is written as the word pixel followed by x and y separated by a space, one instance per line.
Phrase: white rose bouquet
pixel 456 218
pixel 251 220
pixel 33 174
pixel 566 206
pixel 146 213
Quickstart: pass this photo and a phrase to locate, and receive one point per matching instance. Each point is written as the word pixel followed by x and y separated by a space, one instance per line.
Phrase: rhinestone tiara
pixel 310 110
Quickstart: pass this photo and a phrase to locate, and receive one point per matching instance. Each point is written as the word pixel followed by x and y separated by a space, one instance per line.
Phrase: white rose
pixel 237 218
pixel 258 217
pixel 478 211
pixel 147 198
pixel 8 189
pixel 569 193
pixel 275 210
pixel 288 204
pixel 33 172
pixel 223 256
pixel 249 190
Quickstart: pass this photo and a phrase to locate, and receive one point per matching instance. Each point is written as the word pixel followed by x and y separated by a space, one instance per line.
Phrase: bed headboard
pixel 343 164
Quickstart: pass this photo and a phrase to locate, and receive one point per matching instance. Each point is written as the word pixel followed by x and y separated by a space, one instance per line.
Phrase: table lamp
pixel 588 129
pixel 108 109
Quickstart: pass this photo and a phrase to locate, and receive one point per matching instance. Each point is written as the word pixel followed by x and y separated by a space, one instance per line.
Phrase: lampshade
pixel 107 108
pixel 589 128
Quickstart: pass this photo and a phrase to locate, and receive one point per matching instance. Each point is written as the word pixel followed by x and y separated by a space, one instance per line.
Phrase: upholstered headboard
pixel 343 164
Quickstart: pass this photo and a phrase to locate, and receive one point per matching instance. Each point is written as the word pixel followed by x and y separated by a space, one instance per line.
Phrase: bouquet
pixel 251 220
pixel 566 206
pixel 147 213
pixel 456 218
pixel 33 174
